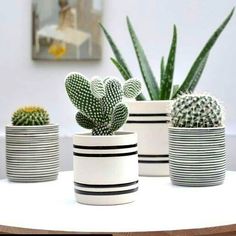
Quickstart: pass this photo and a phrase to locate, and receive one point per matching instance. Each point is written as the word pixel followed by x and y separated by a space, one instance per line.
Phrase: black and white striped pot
pixel 105 168
pixel 150 119
pixel 32 153
pixel 197 156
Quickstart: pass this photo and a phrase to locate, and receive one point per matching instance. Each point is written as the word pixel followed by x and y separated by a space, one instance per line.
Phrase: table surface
pixel 68 35
pixel 160 206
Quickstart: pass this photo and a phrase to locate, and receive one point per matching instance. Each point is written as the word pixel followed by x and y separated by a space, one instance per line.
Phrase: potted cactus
pixel 197 141
pixel 32 146
pixel 105 161
pixel 150 119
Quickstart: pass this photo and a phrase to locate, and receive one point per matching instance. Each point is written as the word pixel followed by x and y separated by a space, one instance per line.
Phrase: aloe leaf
pixel 195 79
pixel 145 68
pixel 175 88
pixel 121 69
pixel 116 51
pixel 123 72
pixel 198 74
pixel 201 60
pixel 162 73
pixel 169 70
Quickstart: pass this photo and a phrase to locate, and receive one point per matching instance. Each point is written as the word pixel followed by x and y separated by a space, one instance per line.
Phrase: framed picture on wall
pixel 66 29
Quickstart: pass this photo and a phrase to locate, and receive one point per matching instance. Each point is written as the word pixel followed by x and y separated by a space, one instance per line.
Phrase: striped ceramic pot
pixel 150 119
pixel 105 168
pixel 197 156
pixel 32 153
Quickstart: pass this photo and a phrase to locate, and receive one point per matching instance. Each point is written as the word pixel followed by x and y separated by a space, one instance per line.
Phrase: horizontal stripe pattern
pixel 105 147
pixel 106 189
pixel 153 159
pixel 106 193
pixel 105 155
pixel 197 156
pixel 105 185
pixel 148 118
pixel 157 156
pixel 32 153
pixel 147 121
pixel 105 151
pixel 149 114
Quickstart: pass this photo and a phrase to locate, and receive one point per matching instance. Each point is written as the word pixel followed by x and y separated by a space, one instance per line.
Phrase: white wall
pixel 24 81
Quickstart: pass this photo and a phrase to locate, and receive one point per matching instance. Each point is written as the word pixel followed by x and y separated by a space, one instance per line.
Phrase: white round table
pixel 160 206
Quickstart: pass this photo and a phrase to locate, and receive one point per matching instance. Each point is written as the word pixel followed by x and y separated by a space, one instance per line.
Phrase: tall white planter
pixel 197 156
pixel 32 153
pixel 150 119
pixel 105 168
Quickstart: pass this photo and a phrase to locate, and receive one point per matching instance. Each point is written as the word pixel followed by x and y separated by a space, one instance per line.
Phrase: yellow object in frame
pixel 57 49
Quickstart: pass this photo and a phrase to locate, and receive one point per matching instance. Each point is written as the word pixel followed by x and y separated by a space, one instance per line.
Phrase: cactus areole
pixel 100 101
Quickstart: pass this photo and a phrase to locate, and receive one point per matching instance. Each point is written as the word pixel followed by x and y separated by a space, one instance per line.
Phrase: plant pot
pixel 197 156
pixel 105 168
pixel 32 153
pixel 150 119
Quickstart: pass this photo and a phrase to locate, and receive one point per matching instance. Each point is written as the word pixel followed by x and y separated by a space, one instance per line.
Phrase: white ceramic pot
pixel 32 153
pixel 197 156
pixel 105 168
pixel 150 119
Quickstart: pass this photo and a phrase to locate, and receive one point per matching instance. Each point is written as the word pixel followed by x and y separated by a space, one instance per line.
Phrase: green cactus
pixel 100 101
pixel 30 115
pixel 196 111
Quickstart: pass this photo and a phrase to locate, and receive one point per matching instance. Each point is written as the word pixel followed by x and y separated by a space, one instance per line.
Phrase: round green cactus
pixel 30 115
pixel 196 111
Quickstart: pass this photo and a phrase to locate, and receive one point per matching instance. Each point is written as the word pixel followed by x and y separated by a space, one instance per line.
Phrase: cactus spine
pixel 196 111
pixel 100 101
pixel 30 115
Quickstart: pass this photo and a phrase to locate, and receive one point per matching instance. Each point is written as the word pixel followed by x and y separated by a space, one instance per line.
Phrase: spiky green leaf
pixel 201 60
pixel 174 89
pixel 121 69
pixel 145 68
pixel 116 51
pixel 198 74
pixel 169 70
pixel 195 79
pixel 162 73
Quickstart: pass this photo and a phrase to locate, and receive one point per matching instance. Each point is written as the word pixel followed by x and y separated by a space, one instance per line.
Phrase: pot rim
pixel 117 134
pixel 149 101
pixel 200 128
pixel 30 126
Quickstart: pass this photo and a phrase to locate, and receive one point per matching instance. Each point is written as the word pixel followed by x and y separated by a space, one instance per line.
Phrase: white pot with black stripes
pixel 150 119
pixel 105 168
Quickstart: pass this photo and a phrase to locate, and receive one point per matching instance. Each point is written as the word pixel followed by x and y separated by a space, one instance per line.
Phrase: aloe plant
pixel 166 90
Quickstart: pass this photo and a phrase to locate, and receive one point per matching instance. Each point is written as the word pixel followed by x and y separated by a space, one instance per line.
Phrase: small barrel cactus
pixel 196 111
pixel 100 101
pixel 30 115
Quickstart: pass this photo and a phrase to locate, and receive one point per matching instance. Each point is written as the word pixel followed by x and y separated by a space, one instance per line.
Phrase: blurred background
pixel 31 78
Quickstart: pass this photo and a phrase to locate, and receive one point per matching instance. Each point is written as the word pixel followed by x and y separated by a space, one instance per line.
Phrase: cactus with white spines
pixel 196 111
pixel 99 101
